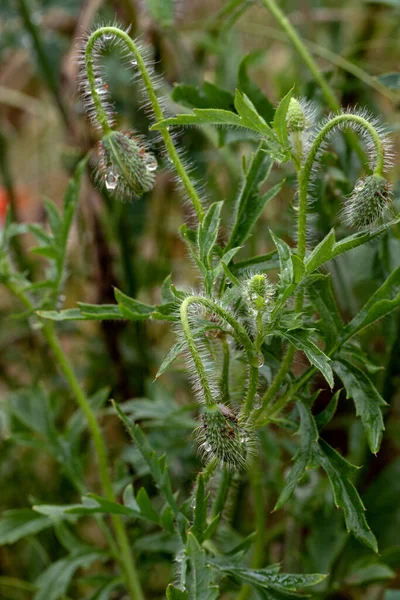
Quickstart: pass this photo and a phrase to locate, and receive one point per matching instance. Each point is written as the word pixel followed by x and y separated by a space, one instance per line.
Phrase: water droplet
pixel 245 437
pixel 151 163
pixel 207 447
pixel 193 503
pixel 111 179
pixel 261 360
pixel 254 297
pixel 108 36
pixel 134 62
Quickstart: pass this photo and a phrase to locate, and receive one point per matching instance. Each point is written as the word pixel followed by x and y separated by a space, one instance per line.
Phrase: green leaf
pixel 167 294
pixel 266 578
pixel 252 91
pixel 286 275
pixel 300 340
pixel 54 217
pixel 249 204
pixel 100 312
pixel 157 466
pixel 309 436
pixel 249 115
pixel 385 300
pixel 345 494
pixel 390 80
pixel 146 508
pixel 322 253
pixel 54 581
pixel 174 593
pixel 162 11
pixel 200 584
pixel 131 308
pixel 208 232
pixel 330 323
pixel 70 314
pixel 279 122
pixel 325 416
pixel 19 523
pixel 366 399
pixel 172 355
pixel 202 116
pixel 200 511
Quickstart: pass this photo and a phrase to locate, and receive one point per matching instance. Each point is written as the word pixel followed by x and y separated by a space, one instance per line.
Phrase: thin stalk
pixel 260 522
pixel 126 559
pixel 225 371
pixel 222 493
pixel 158 113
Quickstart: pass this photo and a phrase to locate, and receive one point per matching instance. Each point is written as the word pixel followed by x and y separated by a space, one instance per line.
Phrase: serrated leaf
pixel 249 115
pixel 309 436
pixel 174 593
pixel 326 251
pixel 19 523
pixel 300 340
pixel 325 416
pixel 390 80
pixel 385 300
pixel 366 398
pixel 100 311
pixel 157 466
pixel 131 308
pixel 172 355
pixel 265 578
pixel 200 584
pixel 330 324
pixel 202 116
pixel 249 205
pixel 208 232
pixel 286 274
pixel 279 123
pixel 345 494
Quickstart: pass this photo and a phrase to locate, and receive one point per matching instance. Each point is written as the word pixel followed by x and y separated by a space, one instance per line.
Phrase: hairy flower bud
pixel 224 437
pixel 258 292
pixel 366 205
pixel 125 167
pixel 296 119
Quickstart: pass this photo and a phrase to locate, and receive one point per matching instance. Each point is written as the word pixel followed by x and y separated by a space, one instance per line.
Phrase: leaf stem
pixel 155 104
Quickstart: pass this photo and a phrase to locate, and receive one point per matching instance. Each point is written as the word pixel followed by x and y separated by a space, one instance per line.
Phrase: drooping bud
pixel 224 437
pixel 258 292
pixel 125 168
pixel 295 118
pixel 366 205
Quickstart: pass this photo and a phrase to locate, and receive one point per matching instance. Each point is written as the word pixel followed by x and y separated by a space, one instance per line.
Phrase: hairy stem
pixel 222 493
pixel 305 175
pixel 126 559
pixel 240 334
pixel 158 113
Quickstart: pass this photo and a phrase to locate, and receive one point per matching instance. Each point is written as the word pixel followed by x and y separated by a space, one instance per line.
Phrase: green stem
pixel 258 551
pixel 303 52
pixel 126 560
pixel 240 334
pixel 225 371
pixel 158 113
pixel 222 493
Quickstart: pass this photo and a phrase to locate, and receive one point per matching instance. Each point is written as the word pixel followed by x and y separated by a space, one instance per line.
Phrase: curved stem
pixel 158 113
pixel 305 174
pixel 240 335
pixel 126 559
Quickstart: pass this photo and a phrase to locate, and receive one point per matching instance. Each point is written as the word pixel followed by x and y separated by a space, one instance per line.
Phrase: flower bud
pixel 223 437
pixel 259 293
pixel 295 118
pixel 125 167
pixel 366 205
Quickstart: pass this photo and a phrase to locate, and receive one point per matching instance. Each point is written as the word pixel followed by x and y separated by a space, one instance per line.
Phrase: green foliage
pixel 182 477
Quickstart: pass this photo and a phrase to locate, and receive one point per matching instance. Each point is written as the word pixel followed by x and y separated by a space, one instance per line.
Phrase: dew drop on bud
pixel 244 437
pixel 260 360
pixel 108 36
pixel 134 62
pixel 111 180
pixel 151 163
